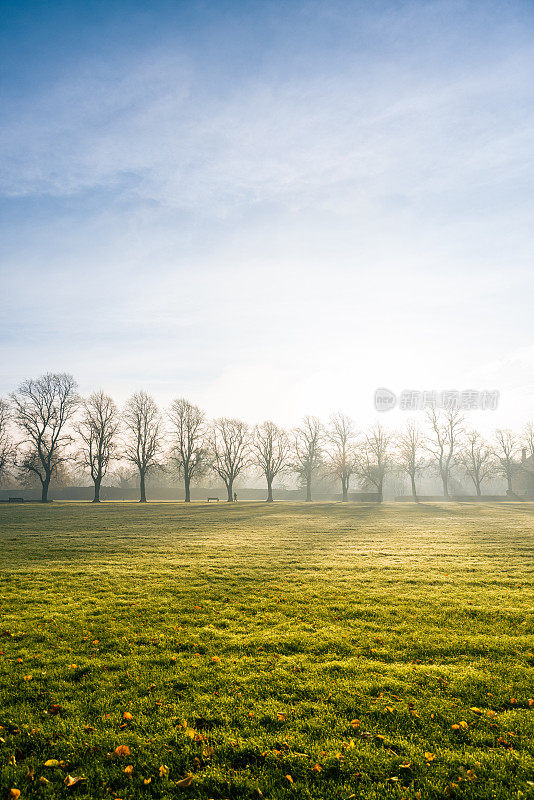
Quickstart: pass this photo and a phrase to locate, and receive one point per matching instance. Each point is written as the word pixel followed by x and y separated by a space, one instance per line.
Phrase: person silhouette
pixel 235 497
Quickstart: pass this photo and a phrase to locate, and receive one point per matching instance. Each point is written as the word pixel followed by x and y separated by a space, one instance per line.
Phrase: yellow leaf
pixel 190 733
pixel 14 794
pixel 290 779
pixel 476 710
pixel 52 762
pixel 430 756
pixel 127 716
pixel 42 779
pixel 215 659
pixel 185 782
pixel 146 781
pixel 72 780
pixel 163 771
pixel 316 768
pixel 128 770
pixel 464 725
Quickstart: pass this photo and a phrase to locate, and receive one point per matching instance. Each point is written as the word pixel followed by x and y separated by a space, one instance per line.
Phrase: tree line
pixel 45 424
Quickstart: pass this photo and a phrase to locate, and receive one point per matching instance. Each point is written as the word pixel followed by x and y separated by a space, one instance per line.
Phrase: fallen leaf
pixel 122 750
pixel 127 716
pixel 290 779
pixel 42 779
pixel 430 756
pixel 316 768
pixel 52 762
pixel 128 770
pixel 163 771
pixel 146 781
pixel 73 780
pixel 185 782
pixel 476 710
pixel 14 794
pixel 55 709
pixel 89 729
pixel 215 659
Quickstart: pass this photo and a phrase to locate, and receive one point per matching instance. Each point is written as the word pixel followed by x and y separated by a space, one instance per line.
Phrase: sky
pixel 270 208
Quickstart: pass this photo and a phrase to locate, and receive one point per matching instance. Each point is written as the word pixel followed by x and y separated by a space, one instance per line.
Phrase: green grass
pixel 402 617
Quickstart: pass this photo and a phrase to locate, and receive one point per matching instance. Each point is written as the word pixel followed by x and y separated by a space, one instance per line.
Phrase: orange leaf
pixel 316 768
pixel 55 709
pixel 127 716
pixel 215 659
pixel 122 750
pixel 128 770
pixel 185 782
pixel 163 771
pixel 290 779
pixel 14 794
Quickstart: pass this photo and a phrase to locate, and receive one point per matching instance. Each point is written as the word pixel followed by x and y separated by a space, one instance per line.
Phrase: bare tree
pixel 189 447
pixel 341 456
pixel 527 440
pixel 270 448
pixel 444 441
pixel 506 450
pixel 7 451
pixel 229 449
pixel 410 445
pixel 98 430
pixel 373 458
pixel 476 459
pixel 307 451
pixel 42 408
pixel 142 421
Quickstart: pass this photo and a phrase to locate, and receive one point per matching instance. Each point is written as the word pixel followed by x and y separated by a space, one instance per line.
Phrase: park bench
pixel 15 500
pixel 213 498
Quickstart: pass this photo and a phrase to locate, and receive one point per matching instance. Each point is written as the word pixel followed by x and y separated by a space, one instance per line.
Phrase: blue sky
pixel 269 207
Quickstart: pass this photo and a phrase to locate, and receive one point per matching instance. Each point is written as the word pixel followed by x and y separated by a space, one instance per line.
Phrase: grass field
pixel 284 651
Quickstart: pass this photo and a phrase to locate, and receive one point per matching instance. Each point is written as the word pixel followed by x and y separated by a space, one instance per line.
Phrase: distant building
pixel 524 477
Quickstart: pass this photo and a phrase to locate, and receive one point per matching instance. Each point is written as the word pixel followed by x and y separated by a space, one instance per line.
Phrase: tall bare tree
pixel 410 448
pixel 307 451
pixel 98 431
pixel 341 453
pixel 230 451
pixel 373 458
pixel 527 440
pixel 446 429
pixel 507 451
pixel 189 446
pixel 144 430
pixel 7 451
pixel 476 458
pixel 270 448
pixel 42 407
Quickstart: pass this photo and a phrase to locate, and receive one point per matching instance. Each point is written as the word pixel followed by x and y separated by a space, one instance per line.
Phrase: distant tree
pixel 270 448
pixel 506 451
pixel 341 453
pixel 7 451
pixel 98 431
pixel 229 450
pixel 527 440
pixel 306 457
pixel 373 458
pixel 446 429
pixel 410 447
pixel 41 409
pixel 476 458
pixel 142 421
pixel 189 446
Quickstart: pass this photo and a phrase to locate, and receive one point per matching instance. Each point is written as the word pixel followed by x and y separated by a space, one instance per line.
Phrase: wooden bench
pixel 216 499
pixel 15 500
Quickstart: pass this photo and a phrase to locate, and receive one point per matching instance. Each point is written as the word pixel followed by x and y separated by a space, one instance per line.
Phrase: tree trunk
pixel 509 482
pixel 445 485
pixel 187 483
pixel 308 490
pixel 414 490
pixel 478 489
pixel 44 489
pixel 96 498
pixel 230 487
pixel 344 489
pixel 142 488
pixel 379 492
pixel 269 491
